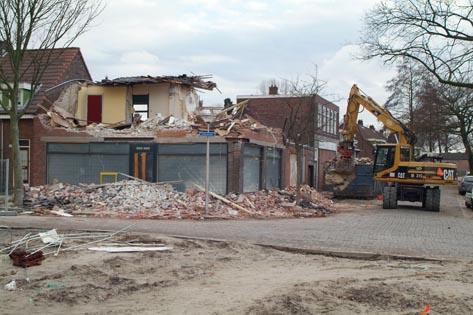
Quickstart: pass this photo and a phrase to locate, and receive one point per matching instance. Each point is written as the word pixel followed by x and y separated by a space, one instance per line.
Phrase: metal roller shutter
pixel 82 163
pixel 273 168
pixel 252 157
pixel 186 163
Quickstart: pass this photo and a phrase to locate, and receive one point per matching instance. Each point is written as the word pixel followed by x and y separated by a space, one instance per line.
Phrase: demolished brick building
pixel 245 155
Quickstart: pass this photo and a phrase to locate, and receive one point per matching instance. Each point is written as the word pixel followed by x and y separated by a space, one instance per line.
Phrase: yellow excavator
pixel 406 178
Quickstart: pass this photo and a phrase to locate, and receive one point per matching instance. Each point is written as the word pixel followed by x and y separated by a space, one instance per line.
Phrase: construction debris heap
pixel 135 199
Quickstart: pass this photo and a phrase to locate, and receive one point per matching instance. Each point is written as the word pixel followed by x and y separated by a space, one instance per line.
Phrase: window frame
pixel 141 112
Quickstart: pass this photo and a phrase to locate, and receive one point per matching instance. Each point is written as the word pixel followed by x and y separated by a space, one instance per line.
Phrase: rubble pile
pixel 341 172
pixel 363 161
pixel 135 199
pixel 232 122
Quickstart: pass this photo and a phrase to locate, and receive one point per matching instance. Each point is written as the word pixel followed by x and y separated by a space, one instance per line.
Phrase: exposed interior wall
pixel 158 97
pixel 182 100
pixel 113 103
pixel 164 98
pixel 68 98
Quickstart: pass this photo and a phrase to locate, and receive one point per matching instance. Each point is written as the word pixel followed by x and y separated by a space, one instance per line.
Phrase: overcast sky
pixel 240 43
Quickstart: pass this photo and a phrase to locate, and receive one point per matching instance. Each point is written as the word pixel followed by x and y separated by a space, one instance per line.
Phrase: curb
pixel 322 252
pixel 288 249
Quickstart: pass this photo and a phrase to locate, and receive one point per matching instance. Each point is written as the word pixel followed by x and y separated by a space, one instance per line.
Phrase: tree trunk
pixel 467 145
pixel 300 164
pixel 15 161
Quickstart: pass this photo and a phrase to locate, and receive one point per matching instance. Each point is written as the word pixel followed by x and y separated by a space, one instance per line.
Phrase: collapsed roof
pixel 195 81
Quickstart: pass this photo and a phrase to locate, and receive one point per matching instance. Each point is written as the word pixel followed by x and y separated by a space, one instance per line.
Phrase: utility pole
pixel 207 158
pixel 207 133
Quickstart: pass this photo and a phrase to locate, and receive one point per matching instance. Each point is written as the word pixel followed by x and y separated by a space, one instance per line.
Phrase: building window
pixel 24 95
pixel 141 105
pixel 330 126
pixel 319 118
pixel 326 121
pixel 25 159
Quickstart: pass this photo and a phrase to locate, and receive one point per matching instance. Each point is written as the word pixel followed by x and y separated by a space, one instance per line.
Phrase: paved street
pixel 404 231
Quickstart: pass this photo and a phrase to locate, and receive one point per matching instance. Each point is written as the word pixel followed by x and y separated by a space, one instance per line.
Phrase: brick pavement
pixel 404 231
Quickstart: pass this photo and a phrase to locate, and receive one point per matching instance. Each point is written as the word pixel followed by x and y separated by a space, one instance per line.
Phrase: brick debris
pixel 135 199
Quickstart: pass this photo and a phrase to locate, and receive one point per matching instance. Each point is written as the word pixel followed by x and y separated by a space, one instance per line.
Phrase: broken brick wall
pixel 325 156
pixel 235 166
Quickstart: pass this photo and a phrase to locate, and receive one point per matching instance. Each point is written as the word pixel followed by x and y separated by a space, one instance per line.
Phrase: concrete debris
pixel 130 249
pixel 231 122
pixel 11 286
pixel 134 199
pixel 50 237
pixel 363 161
pixel 341 172
pixel 29 250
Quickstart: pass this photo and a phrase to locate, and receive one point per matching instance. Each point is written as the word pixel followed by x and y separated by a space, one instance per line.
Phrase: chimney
pixel 360 122
pixel 372 128
pixel 273 90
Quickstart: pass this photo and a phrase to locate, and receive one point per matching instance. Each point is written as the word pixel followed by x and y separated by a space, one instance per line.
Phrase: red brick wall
pixel 234 167
pixel 274 111
pixel 324 157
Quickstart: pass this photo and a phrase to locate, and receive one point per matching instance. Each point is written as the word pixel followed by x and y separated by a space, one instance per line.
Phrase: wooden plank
pixel 225 200
pixel 143 165
pixel 135 165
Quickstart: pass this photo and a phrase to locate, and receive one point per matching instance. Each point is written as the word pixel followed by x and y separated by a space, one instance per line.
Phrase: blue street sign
pixel 206 133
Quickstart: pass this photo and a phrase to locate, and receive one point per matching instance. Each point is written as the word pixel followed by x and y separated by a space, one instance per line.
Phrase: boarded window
pixel 186 163
pixel 252 157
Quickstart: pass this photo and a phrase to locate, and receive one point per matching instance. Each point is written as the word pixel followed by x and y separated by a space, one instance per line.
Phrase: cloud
pixel 342 71
pixel 240 42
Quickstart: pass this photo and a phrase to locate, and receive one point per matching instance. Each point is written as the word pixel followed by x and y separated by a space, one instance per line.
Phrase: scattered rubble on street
pixel 31 249
pixel 138 199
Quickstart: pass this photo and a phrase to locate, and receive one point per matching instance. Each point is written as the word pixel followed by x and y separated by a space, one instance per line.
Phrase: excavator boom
pixel 357 99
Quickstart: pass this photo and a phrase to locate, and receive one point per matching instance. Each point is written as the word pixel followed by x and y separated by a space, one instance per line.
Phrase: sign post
pixel 208 133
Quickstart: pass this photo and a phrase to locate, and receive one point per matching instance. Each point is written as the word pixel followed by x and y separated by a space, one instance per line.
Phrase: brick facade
pixel 273 111
pixel 68 64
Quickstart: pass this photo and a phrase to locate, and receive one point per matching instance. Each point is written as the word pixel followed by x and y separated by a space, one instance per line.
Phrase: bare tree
pixel 301 125
pixel 403 90
pixel 458 111
pixel 42 25
pixel 437 34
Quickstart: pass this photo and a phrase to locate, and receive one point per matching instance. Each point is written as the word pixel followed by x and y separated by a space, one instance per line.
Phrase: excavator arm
pixel 357 99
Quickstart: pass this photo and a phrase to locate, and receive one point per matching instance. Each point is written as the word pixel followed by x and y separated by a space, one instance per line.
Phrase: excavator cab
pixel 384 158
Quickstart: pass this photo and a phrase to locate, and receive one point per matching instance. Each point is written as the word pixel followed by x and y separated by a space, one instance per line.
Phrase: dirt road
pixel 362 227
pixel 199 277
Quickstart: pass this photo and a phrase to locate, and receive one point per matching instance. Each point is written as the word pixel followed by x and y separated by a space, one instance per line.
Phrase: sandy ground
pixel 202 277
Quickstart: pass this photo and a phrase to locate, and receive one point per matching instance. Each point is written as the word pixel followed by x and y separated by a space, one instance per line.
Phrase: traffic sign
pixel 207 133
